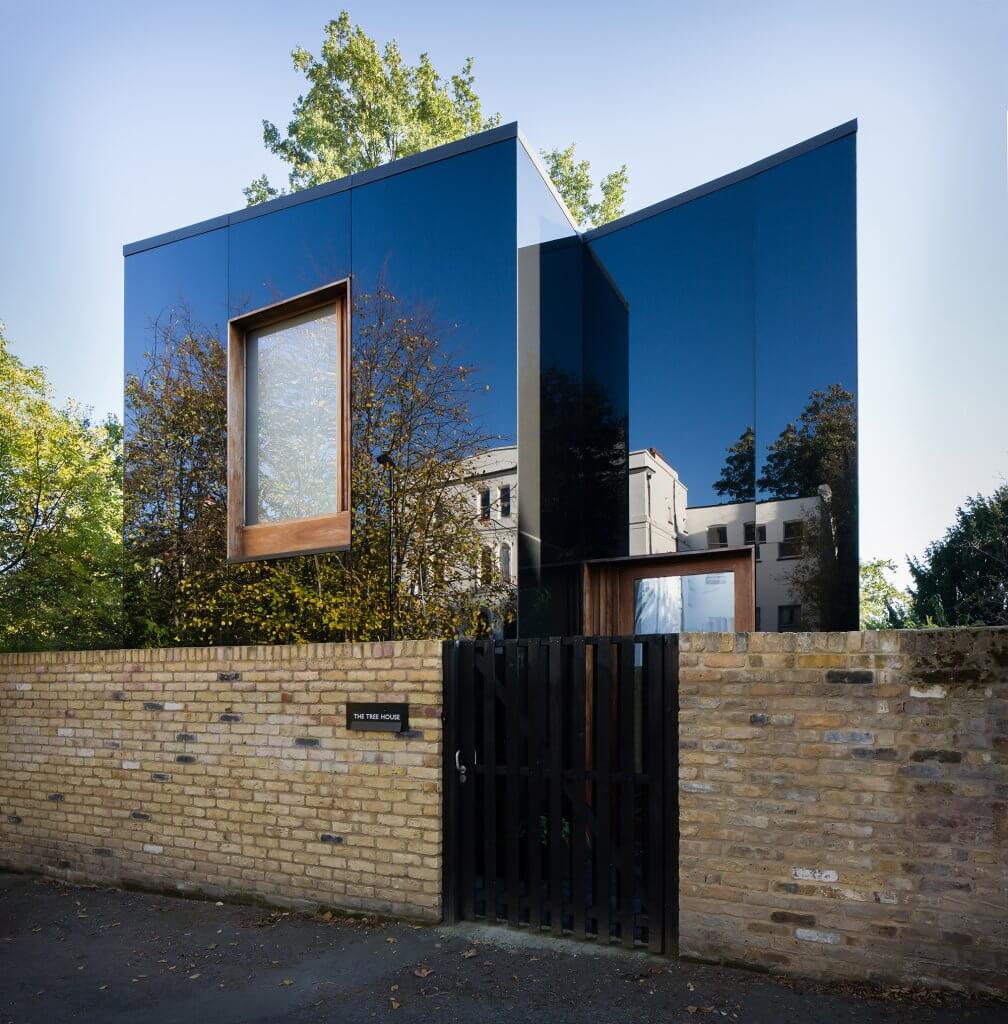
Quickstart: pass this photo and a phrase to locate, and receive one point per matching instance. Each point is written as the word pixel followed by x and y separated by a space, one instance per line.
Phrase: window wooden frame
pixel 312 534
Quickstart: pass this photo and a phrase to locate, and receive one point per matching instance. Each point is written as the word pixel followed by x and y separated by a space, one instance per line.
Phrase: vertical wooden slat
pixel 626 802
pixel 537 693
pixel 576 662
pixel 670 743
pixel 603 797
pixel 655 711
pixel 450 899
pixel 557 850
pixel 486 665
pixel 512 807
pixel 466 845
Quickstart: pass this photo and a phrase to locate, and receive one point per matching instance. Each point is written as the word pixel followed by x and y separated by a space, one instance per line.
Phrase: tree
pixel 410 398
pixel 883 604
pixel 962 580
pixel 60 518
pixel 573 181
pixel 738 475
pixel 366 106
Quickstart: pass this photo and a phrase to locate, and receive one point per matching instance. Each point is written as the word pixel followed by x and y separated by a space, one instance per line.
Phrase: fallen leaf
pixel 286 983
pixel 423 971
pixel 390 938
pixel 469 953
pixel 101 988
pixel 394 988
pixel 395 1005
pixel 193 977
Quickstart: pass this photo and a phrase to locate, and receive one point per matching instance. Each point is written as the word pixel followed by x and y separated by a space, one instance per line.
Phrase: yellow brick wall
pixel 843 804
pixel 227 771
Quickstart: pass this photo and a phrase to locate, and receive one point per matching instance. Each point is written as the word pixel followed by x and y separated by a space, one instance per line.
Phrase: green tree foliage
pixel 573 181
pixel 962 580
pixel 60 518
pixel 365 106
pixel 409 398
pixel 883 604
pixel 738 475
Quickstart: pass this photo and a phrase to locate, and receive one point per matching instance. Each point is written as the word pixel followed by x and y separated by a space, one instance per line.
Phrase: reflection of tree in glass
pixel 815 458
pixel 818 458
pixel 294 412
pixel 738 475
pixel 175 471
pixel 409 397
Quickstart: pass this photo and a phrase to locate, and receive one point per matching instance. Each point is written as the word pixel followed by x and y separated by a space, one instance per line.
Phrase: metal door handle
pixel 459 766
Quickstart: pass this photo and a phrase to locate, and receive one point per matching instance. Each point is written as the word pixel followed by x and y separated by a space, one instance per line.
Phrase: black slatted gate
pixel 561 768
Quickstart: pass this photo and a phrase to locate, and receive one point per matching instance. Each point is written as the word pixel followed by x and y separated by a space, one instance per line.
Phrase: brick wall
pixel 844 804
pixel 227 770
pixel 843 797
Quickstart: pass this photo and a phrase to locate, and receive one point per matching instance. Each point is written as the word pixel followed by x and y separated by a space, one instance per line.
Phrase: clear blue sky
pixel 121 120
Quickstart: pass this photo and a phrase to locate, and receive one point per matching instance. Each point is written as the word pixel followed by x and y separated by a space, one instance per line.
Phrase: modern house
pixel 719 326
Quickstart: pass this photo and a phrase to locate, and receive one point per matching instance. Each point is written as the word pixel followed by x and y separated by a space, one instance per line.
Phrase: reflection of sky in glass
pixel 288 252
pixel 293 418
pixel 742 302
pixel 684 604
pixel 687 276
pixel 187 275
pixel 441 238
pixel 806 285
pixel 540 217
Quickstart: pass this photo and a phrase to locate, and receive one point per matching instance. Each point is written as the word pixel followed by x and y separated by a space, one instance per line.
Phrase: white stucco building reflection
pixel 661 521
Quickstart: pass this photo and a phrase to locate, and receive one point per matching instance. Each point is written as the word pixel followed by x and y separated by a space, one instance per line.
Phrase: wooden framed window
pixel 288 452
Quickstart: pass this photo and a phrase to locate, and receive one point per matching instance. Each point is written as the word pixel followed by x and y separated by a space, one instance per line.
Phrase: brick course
pixel 227 771
pixel 843 804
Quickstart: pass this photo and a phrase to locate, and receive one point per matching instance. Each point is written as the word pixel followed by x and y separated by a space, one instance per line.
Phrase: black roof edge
pixel 817 141
pixel 407 163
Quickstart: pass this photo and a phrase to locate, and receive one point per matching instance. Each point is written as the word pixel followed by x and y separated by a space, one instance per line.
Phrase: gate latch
pixel 459 766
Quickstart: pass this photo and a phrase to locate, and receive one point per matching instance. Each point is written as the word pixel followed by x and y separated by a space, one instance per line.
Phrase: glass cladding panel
pixel 292 381
pixel 181 282
pixel 806 390
pixel 438 243
pixel 175 406
pixel 282 254
pixel 572 410
pixel 687 277
pixel 433 349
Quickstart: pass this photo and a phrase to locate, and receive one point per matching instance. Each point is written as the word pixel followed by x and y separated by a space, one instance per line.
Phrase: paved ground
pixel 105 957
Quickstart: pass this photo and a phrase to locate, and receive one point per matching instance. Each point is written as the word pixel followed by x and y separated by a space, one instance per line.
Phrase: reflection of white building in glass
pixel 494 493
pixel 662 520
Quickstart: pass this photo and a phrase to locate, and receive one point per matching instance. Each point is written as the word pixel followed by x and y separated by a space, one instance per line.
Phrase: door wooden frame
pixel 608 585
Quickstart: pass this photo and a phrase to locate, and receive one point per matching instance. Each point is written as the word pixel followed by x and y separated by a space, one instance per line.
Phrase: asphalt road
pixel 102 956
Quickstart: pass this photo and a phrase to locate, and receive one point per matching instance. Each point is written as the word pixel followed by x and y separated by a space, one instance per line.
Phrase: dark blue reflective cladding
pixel 687 275
pixel 181 281
pixel 440 241
pixel 806 390
pixel 683 382
pixel 283 254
